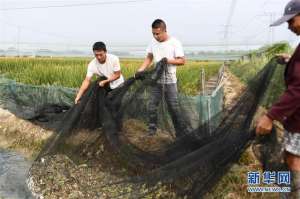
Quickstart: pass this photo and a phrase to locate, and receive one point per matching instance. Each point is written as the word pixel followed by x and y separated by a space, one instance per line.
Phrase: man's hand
pixel 103 82
pixel 165 60
pixel 140 70
pixel 84 86
pixel 139 75
pixel 264 125
pixel 283 58
pixel 77 99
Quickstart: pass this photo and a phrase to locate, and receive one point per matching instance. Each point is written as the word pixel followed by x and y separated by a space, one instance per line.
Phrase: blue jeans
pixel 169 92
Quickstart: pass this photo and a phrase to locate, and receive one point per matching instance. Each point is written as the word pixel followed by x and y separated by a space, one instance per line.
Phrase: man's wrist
pixel 78 97
pixel 107 80
pixel 141 69
pixel 169 61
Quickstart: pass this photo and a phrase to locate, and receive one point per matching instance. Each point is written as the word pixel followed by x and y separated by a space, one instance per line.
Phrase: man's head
pixel 294 24
pixel 159 30
pixel 291 16
pixel 99 50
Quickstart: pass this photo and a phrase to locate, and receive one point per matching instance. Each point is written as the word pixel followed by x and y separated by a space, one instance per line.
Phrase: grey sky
pixel 194 22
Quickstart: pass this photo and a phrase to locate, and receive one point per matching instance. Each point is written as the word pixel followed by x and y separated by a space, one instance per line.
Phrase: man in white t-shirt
pixel 164 46
pixel 103 65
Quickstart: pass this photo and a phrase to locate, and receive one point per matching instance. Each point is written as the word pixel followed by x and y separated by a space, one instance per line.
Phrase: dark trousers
pixel 169 92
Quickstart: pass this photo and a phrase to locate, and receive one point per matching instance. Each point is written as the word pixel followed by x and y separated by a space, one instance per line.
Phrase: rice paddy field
pixel 69 72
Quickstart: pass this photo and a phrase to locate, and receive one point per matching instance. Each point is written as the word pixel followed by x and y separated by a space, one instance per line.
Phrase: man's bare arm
pixel 147 62
pixel 115 76
pixel 178 61
pixel 84 86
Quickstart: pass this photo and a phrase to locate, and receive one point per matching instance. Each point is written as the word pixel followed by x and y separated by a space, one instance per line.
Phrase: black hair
pixel 99 46
pixel 159 23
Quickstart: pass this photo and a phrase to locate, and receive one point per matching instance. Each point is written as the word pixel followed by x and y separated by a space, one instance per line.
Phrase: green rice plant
pixel 70 72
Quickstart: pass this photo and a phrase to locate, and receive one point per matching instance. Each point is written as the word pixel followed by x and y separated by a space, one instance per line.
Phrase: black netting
pixel 156 134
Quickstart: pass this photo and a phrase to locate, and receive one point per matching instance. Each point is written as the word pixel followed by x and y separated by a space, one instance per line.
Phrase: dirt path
pixel 233 88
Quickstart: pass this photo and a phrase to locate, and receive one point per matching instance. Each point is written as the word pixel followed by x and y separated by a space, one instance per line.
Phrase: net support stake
pixel 203 81
pixel 209 113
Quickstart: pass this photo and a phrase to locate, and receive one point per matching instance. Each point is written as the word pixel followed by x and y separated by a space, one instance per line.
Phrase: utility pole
pixel 226 36
pixel 228 24
pixel 2 36
pixel 271 34
pixel 18 40
pixel 271 29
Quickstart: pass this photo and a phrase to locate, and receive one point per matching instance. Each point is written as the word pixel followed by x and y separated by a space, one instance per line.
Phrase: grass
pixel 234 184
pixel 245 70
pixel 69 72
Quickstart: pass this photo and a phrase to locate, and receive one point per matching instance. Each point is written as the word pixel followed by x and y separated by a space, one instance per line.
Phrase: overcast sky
pixel 125 22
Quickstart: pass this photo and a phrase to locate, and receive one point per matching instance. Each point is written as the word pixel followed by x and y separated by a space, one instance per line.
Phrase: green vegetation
pixel 69 72
pixel 251 64
pixel 234 183
pixel 246 69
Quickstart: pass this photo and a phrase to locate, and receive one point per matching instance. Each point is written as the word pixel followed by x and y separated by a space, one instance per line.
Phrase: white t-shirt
pixel 111 65
pixel 170 49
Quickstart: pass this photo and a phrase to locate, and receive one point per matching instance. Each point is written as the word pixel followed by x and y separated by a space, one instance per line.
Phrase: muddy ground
pixel 60 177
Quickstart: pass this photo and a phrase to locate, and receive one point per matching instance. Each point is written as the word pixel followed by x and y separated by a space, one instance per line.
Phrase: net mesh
pixel 187 155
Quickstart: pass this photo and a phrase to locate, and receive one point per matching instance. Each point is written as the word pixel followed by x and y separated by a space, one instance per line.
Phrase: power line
pixel 265 2
pixel 252 37
pixel 75 5
pixel 244 28
pixel 206 44
pixel 17 26
pixel 271 16
pixel 228 23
